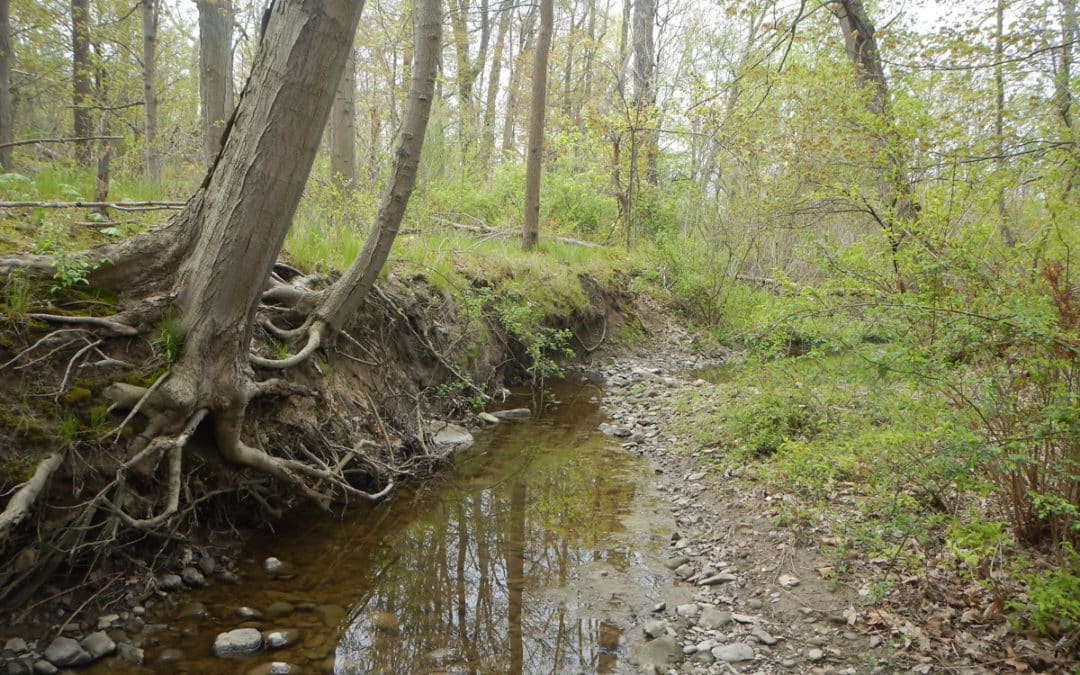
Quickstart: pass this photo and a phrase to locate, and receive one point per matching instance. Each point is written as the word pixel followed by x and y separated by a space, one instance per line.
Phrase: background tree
pixel 535 155
pixel 82 74
pixel 215 71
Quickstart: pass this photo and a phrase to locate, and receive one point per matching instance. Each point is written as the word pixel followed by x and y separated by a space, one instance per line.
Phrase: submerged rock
pixel 238 642
pixel 451 437
pixel 64 651
pixel 512 414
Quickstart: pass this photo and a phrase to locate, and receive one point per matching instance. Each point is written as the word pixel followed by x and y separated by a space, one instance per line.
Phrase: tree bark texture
pixel 345 298
pixel 7 117
pixel 151 152
pixel 645 85
pixel 81 72
pixel 343 127
pixel 487 143
pixel 1063 97
pixel 215 71
pixel 534 159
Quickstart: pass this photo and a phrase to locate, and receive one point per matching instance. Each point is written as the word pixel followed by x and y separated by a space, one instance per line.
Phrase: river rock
pixel 107 621
pixel 170 582
pixel 98 644
pixel 279 639
pixel 739 651
pixel 43 667
pixel 192 577
pixel 513 414
pixel 815 654
pixel 207 565
pixel 689 610
pixel 170 656
pixel 238 642
pixel 385 622
pixel 21 667
pixel 331 615
pixel 451 437
pixel 273 564
pixel 279 609
pixel 252 613
pixel 64 651
pixel 712 618
pixel 195 611
pixel 655 629
pixel 762 636
pixel 131 653
pixel 16 645
pixel 659 652
pixel 487 418
pixel 717 579
pixel 274 668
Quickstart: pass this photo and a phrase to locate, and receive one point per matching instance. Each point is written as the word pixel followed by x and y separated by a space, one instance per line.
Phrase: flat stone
pixel 659 652
pixel 43 667
pixel 487 418
pixel 131 653
pixel 788 581
pixel 717 579
pixel 193 610
pixel 451 437
pixel 815 654
pixel 238 642
pixel 16 644
pixel 676 562
pixel 712 618
pixel 275 668
pixel 107 621
pixel 98 644
pixel 762 636
pixel 513 413
pixel 279 639
pixel 733 653
pixel 64 651
pixel 655 629
pixel 690 609
pixel 170 582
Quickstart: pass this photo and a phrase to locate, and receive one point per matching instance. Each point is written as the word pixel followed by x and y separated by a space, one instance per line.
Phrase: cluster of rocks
pixel 747 612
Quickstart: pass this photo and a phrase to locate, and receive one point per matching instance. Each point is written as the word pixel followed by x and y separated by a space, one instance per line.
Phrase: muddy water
pixel 536 553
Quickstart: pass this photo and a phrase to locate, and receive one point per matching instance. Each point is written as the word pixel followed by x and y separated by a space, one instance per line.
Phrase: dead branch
pixel 488 230
pixel 71 363
pixel 119 206
pixel 44 340
pixel 18 507
pixel 110 325
pixel 138 404
pixel 76 139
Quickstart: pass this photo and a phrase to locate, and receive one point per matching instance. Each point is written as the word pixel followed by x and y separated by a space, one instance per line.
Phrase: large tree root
pixel 18 507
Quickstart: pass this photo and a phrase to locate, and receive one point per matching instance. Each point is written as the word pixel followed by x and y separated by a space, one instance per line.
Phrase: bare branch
pixel 18 507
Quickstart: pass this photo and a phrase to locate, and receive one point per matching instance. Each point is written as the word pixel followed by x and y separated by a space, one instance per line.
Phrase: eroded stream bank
pixel 540 551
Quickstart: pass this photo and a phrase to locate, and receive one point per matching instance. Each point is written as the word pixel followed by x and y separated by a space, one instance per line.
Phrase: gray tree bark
pixel 82 92
pixel 645 86
pixel 7 117
pixel 487 143
pixel 215 72
pixel 151 152
pixel 534 158
pixel 1063 97
pixel 343 127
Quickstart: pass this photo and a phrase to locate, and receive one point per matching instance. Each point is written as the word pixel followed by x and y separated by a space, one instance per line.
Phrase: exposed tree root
pixel 315 333
pixel 18 507
pixel 111 325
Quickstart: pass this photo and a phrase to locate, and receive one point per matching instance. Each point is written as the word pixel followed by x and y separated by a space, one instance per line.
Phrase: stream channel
pixel 536 552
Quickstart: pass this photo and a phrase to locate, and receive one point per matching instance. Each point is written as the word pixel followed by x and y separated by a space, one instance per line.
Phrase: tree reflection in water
pixel 484 579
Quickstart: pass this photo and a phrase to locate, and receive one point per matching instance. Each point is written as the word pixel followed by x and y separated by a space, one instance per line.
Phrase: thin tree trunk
pixel 82 93
pixel 487 145
pixel 104 155
pixel 534 159
pixel 151 153
pixel 343 127
pixel 1063 97
pixel 215 72
pixel 373 146
pixel 645 85
pixel 999 124
pixel 347 296
pixel 7 118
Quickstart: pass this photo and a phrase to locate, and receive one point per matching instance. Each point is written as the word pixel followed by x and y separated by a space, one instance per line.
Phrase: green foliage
pixel 169 341
pixel 1052 604
pixel 17 295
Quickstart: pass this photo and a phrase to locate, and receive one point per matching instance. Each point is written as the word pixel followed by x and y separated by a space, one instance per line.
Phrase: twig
pixel 115 326
pixel 119 206
pixel 19 505
pixel 76 139
pixel 138 404
pixel 67 371
pixel 40 342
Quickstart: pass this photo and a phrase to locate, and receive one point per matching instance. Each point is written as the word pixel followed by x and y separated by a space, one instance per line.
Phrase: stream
pixel 537 552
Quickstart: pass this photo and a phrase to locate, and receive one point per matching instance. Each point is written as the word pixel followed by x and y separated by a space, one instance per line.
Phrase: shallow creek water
pixel 535 553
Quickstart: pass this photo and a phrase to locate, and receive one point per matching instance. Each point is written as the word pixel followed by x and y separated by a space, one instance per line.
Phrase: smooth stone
pixel 249 613
pixel 655 629
pixel 16 644
pixel 712 618
pixel 20 667
pixel 733 653
pixel 272 564
pixel 238 642
pixel 98 644
pixel 659 607
pixel 676 562
pixel 64 651
pixel 274 668
pixel 43 667
pixel 107 621
pixel 690 609
pixel 815 654
pixel 170 582
pixel 192 577
pixel 717 579
pixel 788 581
pixel 755 604
pixel 207 565
pixel 280 609
pixel 440 658
pixel 659 652
pixel 487 418
pixel 762 636
pixel 512 413
pixel 130 653
pixel 279 639
pixel 452 437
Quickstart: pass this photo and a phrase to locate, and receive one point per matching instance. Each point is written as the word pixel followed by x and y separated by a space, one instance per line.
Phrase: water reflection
pixel 483 582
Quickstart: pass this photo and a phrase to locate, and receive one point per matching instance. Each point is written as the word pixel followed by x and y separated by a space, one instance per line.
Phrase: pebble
pixel 248 613
pixel 170 582
pixel 733 653
pixel 272 564
pixel 717 579
pixel 98 644
pixel 762 636
pixel 815 655
pixel 712 618
pixel 43 667
pixel 655 629
pixel 17 645
pixel 207 565
pixel 691 609
pixel 238 642
pixel 64 651
pixel 279 639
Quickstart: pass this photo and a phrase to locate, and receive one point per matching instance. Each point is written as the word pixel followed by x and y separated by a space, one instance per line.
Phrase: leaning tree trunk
pixel 345 298
pixel 535 155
